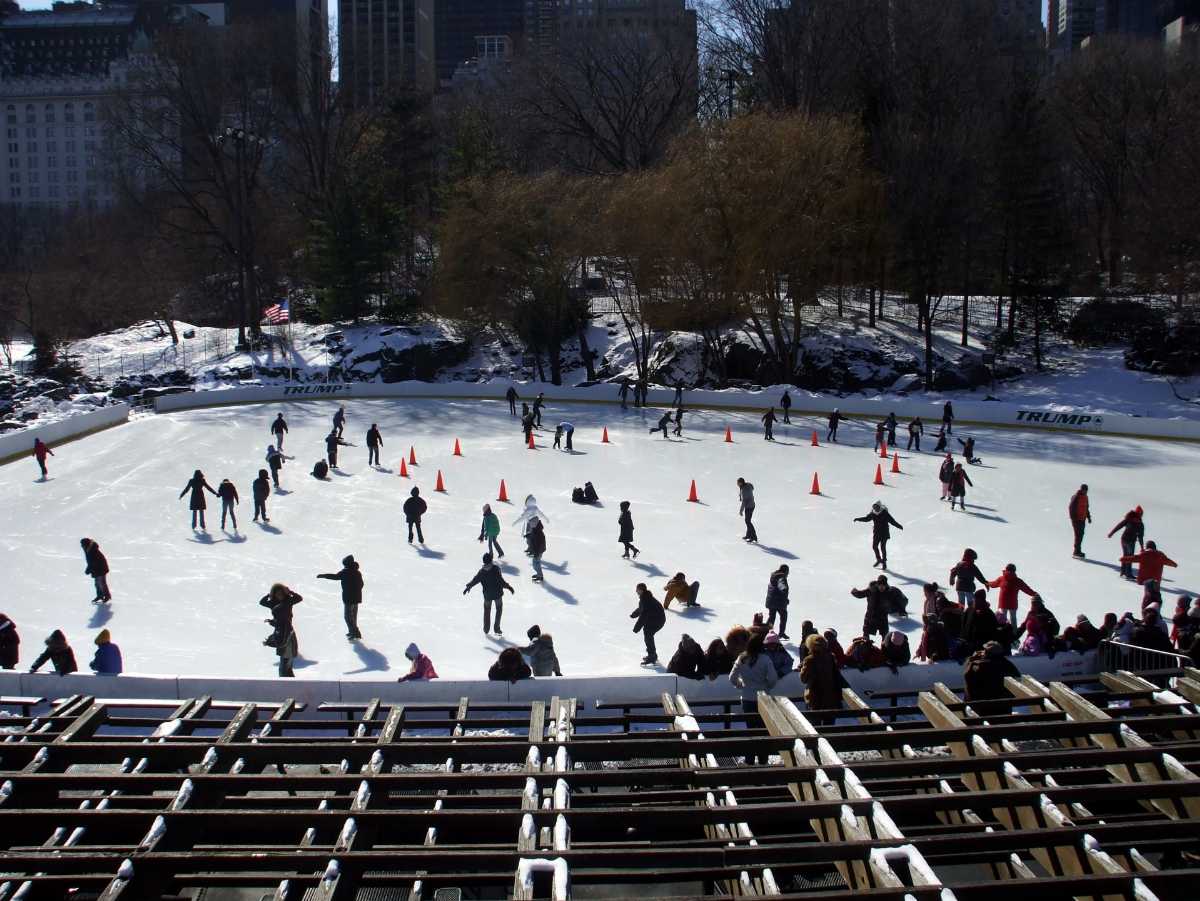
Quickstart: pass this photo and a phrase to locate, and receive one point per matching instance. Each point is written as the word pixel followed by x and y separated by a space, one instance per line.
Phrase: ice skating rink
pixel 187 602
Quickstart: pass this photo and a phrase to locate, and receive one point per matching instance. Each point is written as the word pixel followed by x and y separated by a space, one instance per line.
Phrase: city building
pixel 384 43
pixel 466 30
pixel 1076 21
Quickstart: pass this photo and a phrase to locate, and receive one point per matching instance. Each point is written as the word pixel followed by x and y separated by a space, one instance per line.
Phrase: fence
pixel 1116 655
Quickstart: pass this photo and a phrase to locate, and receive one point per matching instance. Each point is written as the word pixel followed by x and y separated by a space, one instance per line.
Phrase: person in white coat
pixel 531 512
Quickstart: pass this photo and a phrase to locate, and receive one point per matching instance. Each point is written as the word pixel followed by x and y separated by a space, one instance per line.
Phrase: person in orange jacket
pixel 1010 585
pixel 1150 563
pixel 1080 515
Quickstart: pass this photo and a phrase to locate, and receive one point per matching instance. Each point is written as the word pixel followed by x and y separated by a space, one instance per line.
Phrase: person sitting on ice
pixel 509 667
pixel 421 669
pixel 676 590
pixel 688 660
pixel 107 661
pixel 968 450
pixel 896 650
pixel 1150 563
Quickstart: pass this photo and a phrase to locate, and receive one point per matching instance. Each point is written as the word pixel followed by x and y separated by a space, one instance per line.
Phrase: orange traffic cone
pixel 895 462
pixel 878 473
pixel 815 443
pixel 692 496
pixel 728 435
pixel 403 469
pixel 883 451
pixel 412 456
pixel 440 484
pixel 532 446
pixel 816 486
pixel 503 498
pixel 604 438
pixel 457 449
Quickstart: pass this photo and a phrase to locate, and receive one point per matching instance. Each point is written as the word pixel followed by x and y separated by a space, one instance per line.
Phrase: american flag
pixel 277 314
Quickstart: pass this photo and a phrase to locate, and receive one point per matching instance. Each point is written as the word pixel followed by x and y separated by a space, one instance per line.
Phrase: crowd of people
pixel 59 653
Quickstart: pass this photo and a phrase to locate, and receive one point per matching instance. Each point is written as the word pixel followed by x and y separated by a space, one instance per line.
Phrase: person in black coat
pixel 876 617
pixel 527 425
pixel 688 659
pixel 491 579
pixel 339 421
pixel 352 585
pixel 948 417
pixel 261 490
pixel 890 422
pixel 228 494
pixel 280 601
pixel 538 403
pixel 512 397
pixel 984 674
pixel 625 521
pixel 414 509
pixel 916 429
pixel 979 622
pixel 663 422
pixel 785 404
pixel 59 653
pixel 650 618
pixel 97 568
pixel 835 419
pixel 332 441
pixel 10 643
pixel 197 486
pixel 881 522
pixel 279 428
pixel 968 450
pixel 374 443
pixel 768 421
pixel 275 463
pixel 777 600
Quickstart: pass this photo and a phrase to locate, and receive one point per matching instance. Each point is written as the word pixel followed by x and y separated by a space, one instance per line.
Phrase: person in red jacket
pixel 1080 515
pixel 1010 585
pixel 40 450
pixel 1150 563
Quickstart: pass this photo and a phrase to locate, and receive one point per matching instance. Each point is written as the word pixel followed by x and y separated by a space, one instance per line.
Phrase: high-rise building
pixel 309 19
pixel 1076 22
pixel 463 29
pixel 384 43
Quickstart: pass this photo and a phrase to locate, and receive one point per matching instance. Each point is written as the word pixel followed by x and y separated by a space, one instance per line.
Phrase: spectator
pixel 979 622
pixel 736 640
pixel 1151 594
pixel 650 618
pixel 540 651
pixel 963 576
pixel 421 669
pixel 753 672
pixel 688 659
pixel 835 647
pixel 875 619
pixel 107 661
pixel 1150 632
pixel 717 660
pixel 819 673
pixel 509 667
pixel 863 655
pixel 1109 626
pixel 777 600
pixel 1082 636
pixel 984 674
pixel 934 644
pixel 1125 627
pixel 1193 650
pixel 778 654
pixel 1037 608
pixel 1179 619
pixel 59 653
pixel 1037 640
pixel 895 650
pixel 10 643
pixel 1191 627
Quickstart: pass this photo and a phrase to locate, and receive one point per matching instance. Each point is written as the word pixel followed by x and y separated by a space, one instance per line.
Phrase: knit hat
pixel 412 652
pixel 771 638
pixel 104 637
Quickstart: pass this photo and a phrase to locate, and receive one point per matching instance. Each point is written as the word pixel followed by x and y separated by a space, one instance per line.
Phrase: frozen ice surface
pixel 187 602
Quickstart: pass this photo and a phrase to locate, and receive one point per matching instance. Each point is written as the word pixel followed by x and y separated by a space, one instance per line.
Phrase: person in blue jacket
pixel 107 661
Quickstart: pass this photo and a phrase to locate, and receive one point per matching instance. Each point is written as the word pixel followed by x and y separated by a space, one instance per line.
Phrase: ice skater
pixel 625 521
pixel 1010 585
pixel 527 515
pixel 279 428
pixel 777 600
pixel 228 494
pixel 332 441
pixel 948 417
pixel 374 443
pixel 677 401
pixel 835 419
pixel 197 486
pixel 527 425
pixel 275 462
pixel 538 403
pixel 339 421
pixel 916 429
pixel 623 393
pixel 968 450
pixel 512 397
pixel 768 421
pixel 880 436
pixel 351 578
pixel 945 474
pixel 261 490
pixel 746 509
pixel 959 480
pixel 1080 515
pixel 785 403
pixel 280 601
pixel 1133 535
pixel 491 580
pixel 97 568
pixel 414 509
pixel 537 547
pixel 489 530
pixel 881 522
pixel 40 451
pixel 663 422
pixel 941 440
pixel 650 618
pixel 890 422
pixel 567 430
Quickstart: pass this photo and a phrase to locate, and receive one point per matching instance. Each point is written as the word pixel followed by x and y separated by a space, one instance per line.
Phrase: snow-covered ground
pixel 187 602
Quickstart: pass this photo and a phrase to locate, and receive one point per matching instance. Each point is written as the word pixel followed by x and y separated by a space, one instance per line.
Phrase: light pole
pixel 244 143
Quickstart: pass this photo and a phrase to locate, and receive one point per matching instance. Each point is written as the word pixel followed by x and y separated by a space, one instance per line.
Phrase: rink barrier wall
pixel 16 445
pixel 646 689
pixel 989 413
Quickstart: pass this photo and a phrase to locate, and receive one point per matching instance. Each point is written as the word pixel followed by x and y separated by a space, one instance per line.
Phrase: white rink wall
pixel 16 445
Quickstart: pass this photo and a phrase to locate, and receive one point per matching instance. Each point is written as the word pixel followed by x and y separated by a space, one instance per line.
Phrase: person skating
pixel 959 480
pixel 623 393
pixel 835 419
pixel 875 619
pixel 374 443
pixel 1133 535
pixel 746 509
pixel 650 618
pixel 228 494
pixel 785 404
pixel 777 600
pixel 59 653
pixel 567 430
pixel 489 530
pixel 963 576
pixel 677 401
pixel 509 667
pixel 414 509
pixel 274 463
pixel 320 471
pixel 916 429
pixel 941 440
pixel 678 431
pixel 625 521
pixel 97 568
pixel 107 660
pixel 880 435
pixel 1010 584
pixel 512 397
pixel 279 428
pixel 768 421
pixel 538 403
pixel 968 450
pixel 589 494
pixel 280 600
pixel 1080 515
pixel 881 522
pixel 40 451
pixel 540 652
pixel 945 474
pixel 261 490
pixel 688 660
pixel 421 667
pixel 537 547
pixel 197 486
pixel 527 516
pixel 491 580
pixel 1150 563
pixel 663 422
pixel 527 425
pixel 351 578
pixel 332 441
pixel 339 421
pixel 10 643
pixel 890 422
pixel 948 417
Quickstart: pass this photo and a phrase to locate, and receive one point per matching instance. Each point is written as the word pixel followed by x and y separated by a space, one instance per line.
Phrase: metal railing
pixel 1116 655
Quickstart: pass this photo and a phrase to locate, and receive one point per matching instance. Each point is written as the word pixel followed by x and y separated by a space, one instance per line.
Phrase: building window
pixel 69 112
pixel 31 147
pixel 35 193
pixel 89 112
pixel 52 176
pixel 51 162
pixel 52 146
pixel 13 147
pixel 72 177
pixel 11 114
pixel 69 131
pixel 14 178
pixel 30 114
pixel 50 131
pixel 14 193
pixel 70 147
pixel 31 133
pixel 12 133
pixel 48 112
pixel 33 177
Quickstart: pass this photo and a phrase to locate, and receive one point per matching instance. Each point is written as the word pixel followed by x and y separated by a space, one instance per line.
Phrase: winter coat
pixel 983 676
pixel 542 659
pixel 649 614
pixel 625 521
pixel 537 540
pixel 274 458
pixel 1150 564
pixel 352 582
pixel 916 427
pixel 948 412
pixel 490 528
pixel 677 590
pixel 753 675
pixel 1077 509
pixel 491 579
pixel 332 442
pixel 227 492
pixel 834 419
pixel 374 439
pixel 717 659
pixel 261 489
pixel 979 625
pixel 278 427
pixel 688 659
pixel 281 611
pixel 1149 635
pixel 875 619
pixel 97 563
pixel 880 523
pixel 819 673
pixel 777 591
pixel 530 512
pixel 864 655
pixel 1131 527
pixel 945 472
pixel 896 654
pixel 197 488
pixel 41 449
pixel 10 643
pixel 780 658
pixel 421 671
pixel 1009 584
pixel 59 653
pixel 509 667
pixel 414 508
pixel 959 480
pixel 746 493
pixel 964 574
pixel 107 661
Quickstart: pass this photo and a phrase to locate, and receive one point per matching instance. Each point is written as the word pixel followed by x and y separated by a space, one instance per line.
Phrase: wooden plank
pixel 85 724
